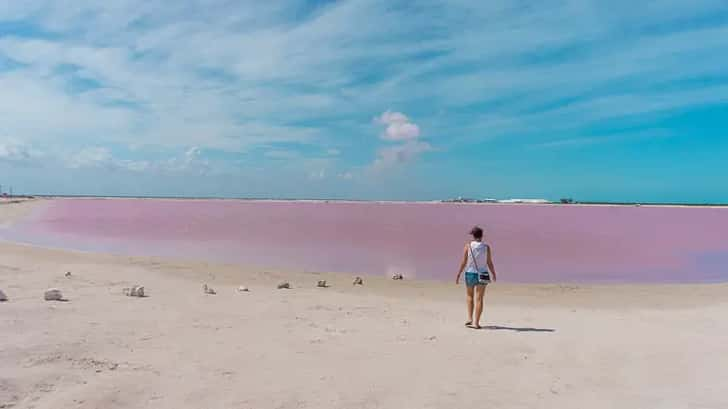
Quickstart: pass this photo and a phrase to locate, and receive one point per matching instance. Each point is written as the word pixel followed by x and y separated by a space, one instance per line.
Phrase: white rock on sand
pixel 358 281
pixel 53 294
pixel 3 297
pixel 398 277
pixel 283 285
pixel 208 290
pixel 243 288
pixel 322 284
pixel 135 291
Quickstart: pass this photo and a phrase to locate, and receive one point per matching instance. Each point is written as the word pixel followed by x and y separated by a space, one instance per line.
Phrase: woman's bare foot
pixel 476 326
pixel 469 323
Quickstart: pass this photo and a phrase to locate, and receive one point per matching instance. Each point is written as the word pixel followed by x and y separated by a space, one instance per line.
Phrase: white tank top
pixel 480 251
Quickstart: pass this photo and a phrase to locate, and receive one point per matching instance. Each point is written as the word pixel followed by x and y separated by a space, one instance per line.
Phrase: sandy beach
pixel 385 344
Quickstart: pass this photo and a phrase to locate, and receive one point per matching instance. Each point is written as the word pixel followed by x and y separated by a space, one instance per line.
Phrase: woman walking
pixel 479 271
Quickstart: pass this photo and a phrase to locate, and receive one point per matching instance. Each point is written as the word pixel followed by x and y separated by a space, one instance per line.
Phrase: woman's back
pixel 479 250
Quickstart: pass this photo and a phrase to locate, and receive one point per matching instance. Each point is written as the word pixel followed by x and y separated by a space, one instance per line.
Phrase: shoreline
pixel 232 275
pixel 395 202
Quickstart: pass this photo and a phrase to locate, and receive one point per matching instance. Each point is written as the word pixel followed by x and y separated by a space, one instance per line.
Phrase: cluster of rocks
pixel 55 294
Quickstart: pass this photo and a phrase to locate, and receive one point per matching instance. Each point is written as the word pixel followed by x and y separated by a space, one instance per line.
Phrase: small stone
pixel 3 297
pixel 243 288
pixel 208 290
pixel 135 291
pixel 68 274
pixel 283 285
pixel 53 294
pixel 358 281
pixel 322 284
pixel 398 277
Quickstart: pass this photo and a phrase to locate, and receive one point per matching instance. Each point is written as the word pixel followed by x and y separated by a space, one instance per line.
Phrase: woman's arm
pixel 462 264
pixel 491 267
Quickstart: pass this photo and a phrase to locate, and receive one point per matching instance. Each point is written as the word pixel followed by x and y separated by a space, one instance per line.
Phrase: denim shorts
pixel 471 280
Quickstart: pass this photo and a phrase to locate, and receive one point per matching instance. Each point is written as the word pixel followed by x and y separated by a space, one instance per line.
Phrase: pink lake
pixel 532 243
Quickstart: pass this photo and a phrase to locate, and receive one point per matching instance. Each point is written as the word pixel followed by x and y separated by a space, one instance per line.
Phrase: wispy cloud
pixel 14 152
pixel 241 76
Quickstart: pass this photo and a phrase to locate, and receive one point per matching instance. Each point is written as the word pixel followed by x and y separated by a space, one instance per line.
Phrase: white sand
pixel 386 344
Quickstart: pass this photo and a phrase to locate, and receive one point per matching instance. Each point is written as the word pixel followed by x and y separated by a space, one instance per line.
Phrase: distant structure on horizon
pixel 488 200
pixel 530 201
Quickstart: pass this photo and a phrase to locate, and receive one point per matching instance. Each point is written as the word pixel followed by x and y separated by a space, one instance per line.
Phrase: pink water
pixel 531 243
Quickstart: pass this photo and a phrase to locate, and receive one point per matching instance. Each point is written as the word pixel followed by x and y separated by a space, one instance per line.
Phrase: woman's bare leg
pixel 470 305
pixel 479 294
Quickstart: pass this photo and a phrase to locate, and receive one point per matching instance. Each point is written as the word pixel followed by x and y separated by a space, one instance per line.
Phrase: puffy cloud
pixel 398 127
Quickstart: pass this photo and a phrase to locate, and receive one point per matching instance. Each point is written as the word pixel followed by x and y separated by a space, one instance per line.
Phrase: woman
pixel 476 256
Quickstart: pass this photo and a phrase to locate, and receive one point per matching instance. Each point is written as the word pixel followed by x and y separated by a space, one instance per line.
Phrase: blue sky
pixel 366 99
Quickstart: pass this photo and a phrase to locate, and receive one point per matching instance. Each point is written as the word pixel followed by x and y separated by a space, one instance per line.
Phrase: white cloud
pixel 319 174
pixel 99 157
pixel 399 154
pixel 398 127
pixel 13 152
pixel 193 153
pixel 281 154
pixel 91 157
